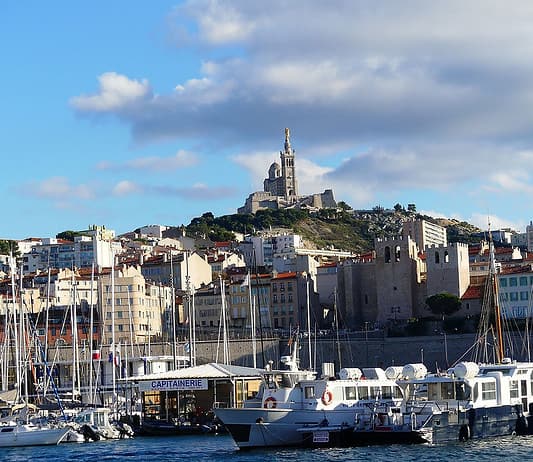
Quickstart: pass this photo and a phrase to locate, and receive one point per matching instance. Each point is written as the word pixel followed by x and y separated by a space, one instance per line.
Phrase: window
pixel 375 392
pixel 309 392
pixel 437 258
pixel 513 388
pixel 513 296
pixel 289 286
pixel 363 392
pixel 397 253
pixel 446 257
pixel 513 282
pixel 523 280
pixel 488 390
pixel 387 254
pixel 386 393
pixel 350 393
pixel 503 282
pixel 274 287
pixel 523 295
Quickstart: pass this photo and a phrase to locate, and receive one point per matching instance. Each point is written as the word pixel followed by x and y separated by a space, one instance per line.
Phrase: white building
pixel 425 233
pixel 94 246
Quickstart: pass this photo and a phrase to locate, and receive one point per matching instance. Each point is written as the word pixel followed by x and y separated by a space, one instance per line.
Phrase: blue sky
pixel 123 113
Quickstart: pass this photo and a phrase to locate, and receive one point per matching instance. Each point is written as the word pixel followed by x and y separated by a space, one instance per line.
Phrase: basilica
pixel 280 189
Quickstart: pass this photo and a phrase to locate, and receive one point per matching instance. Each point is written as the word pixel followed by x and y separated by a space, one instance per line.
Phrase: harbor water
pixel 221 448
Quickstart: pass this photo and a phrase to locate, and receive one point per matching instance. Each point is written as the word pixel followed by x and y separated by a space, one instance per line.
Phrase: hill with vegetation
pixel 342 228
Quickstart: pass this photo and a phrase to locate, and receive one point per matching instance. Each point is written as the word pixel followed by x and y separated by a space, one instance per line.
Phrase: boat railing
pixel 220 405
pixel 420 407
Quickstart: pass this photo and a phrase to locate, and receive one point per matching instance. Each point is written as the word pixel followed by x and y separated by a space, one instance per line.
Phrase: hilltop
pixel 342 228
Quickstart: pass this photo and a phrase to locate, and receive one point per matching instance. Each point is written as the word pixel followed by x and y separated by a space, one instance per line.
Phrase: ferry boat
pixel 294 408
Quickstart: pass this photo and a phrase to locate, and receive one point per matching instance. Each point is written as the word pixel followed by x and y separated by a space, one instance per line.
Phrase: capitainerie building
pixel 281 187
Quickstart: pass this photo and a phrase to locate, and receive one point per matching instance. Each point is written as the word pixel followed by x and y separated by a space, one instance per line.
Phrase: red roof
pixel 289 275
pixel 473 292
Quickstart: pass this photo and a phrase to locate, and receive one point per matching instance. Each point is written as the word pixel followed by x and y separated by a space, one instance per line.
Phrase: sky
pixel 125 114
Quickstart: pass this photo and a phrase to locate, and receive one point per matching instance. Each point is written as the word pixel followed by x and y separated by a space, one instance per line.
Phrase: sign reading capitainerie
pixel 173 384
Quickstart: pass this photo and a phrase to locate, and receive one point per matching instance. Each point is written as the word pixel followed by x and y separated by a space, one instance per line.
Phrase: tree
pixel 9 247
pixel 443 304
pixel 68 235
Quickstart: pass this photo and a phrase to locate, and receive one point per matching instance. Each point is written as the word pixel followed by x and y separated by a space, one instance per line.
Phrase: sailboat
pixel 17 429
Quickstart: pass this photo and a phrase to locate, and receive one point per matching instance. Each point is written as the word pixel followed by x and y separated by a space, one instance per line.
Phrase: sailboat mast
pixel 309 327
pixel 15 327
pixel 251 303
pixel 113 347
pixel 497 309
pixel 91 327
pixel 173 314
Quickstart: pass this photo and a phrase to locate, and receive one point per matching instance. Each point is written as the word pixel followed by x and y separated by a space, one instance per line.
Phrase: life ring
pixel 270 403
pixel 327 397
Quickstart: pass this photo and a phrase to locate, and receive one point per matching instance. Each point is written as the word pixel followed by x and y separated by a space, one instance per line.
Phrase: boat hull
pixel 263 427
pixel 21 435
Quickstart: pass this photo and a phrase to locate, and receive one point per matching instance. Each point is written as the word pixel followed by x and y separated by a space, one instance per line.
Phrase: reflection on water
pixel 221 448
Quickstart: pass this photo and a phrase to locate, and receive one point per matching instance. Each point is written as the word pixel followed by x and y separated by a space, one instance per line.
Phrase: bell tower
pixel 288 174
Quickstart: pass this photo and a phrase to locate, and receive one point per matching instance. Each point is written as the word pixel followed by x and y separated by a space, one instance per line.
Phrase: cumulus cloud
pixel 116 91
pixel 197 191
pixel 422 96
pixel 59 188
pixel 182 159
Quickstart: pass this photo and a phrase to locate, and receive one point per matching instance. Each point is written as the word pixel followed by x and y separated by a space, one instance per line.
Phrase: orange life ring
pixel 270 403
pixel 327 397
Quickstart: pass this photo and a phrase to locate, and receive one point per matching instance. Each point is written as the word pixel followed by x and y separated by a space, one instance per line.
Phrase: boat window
pixel 99 419
pixel 5 430
pixel 397 392
pixel 523 388
pixel 447 390
pixel 286 381
pixel 488 390
pixel 350 393
pixel 462 391
pixel 386 392
pixel 433 391
pixel 309 392
pixel 363 392
pixel 375 392
pixel 513 389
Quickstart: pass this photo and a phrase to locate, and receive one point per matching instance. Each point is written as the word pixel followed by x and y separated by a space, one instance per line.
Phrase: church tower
pixel 288 174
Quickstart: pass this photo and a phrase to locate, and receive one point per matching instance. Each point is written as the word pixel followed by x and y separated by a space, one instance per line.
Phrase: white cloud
pixel 428 97
pixel 182 159
pixel 126 188
pixel 115 92
pixel 60 188
pixel 496 222
pixel 512 181
pixel 218 22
